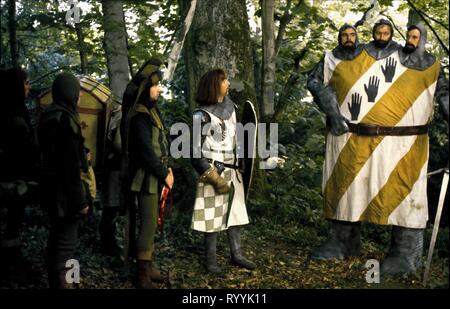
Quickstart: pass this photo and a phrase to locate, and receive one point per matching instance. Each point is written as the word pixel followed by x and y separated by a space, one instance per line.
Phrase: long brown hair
pixel 209 87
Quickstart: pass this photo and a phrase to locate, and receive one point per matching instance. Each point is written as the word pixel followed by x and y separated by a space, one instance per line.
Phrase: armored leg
pixel 405 252
pixel 344 240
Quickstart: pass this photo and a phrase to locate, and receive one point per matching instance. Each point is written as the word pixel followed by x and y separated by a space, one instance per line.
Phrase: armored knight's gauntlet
pixel 212 177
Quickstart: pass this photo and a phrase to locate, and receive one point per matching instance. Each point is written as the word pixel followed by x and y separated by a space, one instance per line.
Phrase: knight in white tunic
pixel 220 198
pixel 376 172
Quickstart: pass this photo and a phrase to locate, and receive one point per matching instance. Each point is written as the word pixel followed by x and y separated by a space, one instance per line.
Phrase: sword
pixel 436 224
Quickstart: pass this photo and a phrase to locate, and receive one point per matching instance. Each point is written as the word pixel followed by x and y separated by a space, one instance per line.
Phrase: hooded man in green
pixel 146 151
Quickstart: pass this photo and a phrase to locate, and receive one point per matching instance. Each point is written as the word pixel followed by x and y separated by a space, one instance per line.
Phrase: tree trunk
pixel 268 74
pixel 219 37
pixel 115 45
pixel 12 33
pixel 81 48
pixel 1 34
pixel 178 42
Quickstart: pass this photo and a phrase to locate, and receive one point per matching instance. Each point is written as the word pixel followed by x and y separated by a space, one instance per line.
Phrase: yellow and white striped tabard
pixel 379 179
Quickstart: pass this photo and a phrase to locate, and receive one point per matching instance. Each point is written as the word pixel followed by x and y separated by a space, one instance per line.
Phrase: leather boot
pixel 144 281
pixel 234 237
pixel 107 230
pixel 344 240
pixel 210 253
pixel 155 274
pixel 405 252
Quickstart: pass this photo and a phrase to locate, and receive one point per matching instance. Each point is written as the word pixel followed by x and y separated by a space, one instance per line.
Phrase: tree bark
pixel 268 67
pixel 219 37
pixel 115 46
pixel 1 34
pixel 178 42
pixel 81 48
pixel 12 33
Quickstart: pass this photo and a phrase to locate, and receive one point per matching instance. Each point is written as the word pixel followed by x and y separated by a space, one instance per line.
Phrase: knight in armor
pixel 220 199
pixel 344 237
pixel 406 248
pixel 376 172
pixel 325 95
pixel 147 151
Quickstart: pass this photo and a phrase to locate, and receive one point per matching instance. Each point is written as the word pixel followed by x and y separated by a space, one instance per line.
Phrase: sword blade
pixel 436 225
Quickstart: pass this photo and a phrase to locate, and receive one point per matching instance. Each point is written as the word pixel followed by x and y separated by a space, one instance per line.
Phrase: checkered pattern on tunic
pixel 211 209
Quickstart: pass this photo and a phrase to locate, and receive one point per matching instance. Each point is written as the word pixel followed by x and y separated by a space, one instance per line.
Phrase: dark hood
pixel 65 93
pixel 66 90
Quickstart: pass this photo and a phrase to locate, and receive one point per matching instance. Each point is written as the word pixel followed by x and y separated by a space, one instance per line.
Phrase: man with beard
pixel 406 248
pixel 324 95
pixel 323 81
pixel 376 172
pixel 382 45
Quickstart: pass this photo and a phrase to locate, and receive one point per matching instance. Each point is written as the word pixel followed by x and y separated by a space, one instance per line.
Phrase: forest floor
pixel 282 264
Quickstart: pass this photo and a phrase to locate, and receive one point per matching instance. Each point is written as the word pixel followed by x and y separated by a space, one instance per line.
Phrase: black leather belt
pixel 374 130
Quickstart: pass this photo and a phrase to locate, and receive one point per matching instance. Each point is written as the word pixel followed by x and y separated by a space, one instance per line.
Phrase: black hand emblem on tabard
pixel 372 88
pixel 389 69
pixel 355 108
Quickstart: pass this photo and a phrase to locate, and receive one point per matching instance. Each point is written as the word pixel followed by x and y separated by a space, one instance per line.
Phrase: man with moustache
pixel 344 237
pixel 382 45
pixel 405 252
pixel 348 48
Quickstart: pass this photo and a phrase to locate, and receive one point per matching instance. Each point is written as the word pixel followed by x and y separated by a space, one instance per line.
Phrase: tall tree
pixel 178 42
pixel 115 45
pixel 271 48
pixel 81 48
pixel 1 33
pixel 13 33
pixel 219 37
pixel 268 67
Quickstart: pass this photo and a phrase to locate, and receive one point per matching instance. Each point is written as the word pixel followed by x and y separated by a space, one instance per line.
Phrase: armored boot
pixel 107 230
pixel 155 274
pixel 405 252
pixel 144 281
pixel 210 253
pixel 57 277
pixel 234 237
pixel 344 240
